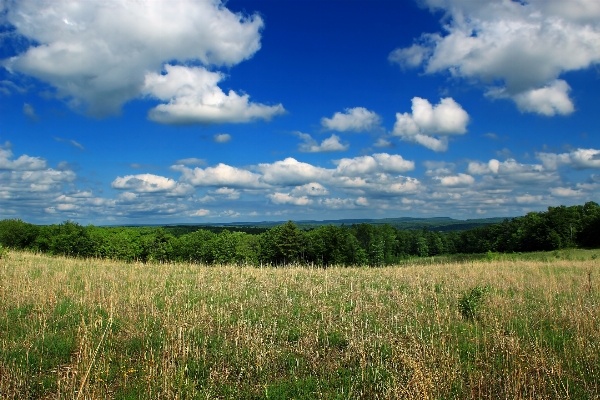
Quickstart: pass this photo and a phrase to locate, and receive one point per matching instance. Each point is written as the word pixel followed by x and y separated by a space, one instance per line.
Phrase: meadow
pixel 500 327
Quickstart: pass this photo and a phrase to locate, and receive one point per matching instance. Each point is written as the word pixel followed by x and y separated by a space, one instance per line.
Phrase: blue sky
pixel 202 111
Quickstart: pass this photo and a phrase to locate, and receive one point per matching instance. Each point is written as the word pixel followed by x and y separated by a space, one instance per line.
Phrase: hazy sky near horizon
pixel 195 111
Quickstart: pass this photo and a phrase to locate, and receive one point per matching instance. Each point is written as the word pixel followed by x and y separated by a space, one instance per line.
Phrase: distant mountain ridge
pixel 438 224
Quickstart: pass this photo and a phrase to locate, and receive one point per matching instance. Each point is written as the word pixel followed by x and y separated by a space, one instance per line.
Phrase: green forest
pixel 357 244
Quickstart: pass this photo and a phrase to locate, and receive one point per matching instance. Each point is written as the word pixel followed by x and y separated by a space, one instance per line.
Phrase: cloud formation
pixel 366 165
pixel 517 48
pixel 328 145
pixel 29 112
pixel 222 175
pixel 357 119
pixel 429 125
pixel 150 183
pixel 292 187
pixel 100 55
pixel 284 198
pixel 194 98
pixel 577 159
pixel 512 172
pixel 222 138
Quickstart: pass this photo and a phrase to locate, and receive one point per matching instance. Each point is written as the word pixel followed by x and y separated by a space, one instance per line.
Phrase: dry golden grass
pixel 98 329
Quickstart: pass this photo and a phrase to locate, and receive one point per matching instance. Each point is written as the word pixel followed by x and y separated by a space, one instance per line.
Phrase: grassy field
pixel 503 327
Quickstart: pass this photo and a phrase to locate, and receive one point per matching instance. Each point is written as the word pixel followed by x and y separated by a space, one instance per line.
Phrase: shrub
pixel 471 302
pixel 3 252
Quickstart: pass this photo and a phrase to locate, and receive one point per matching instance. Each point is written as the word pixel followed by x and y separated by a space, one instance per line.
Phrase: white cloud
pixel 410 57
pixel 381 185
pixel 479 168
pixel 229 214
pixel 383 143
pixel 460 180
pixel 362 201
pixel 436 144
pixel 585 158
pixel 291 172
pixel 511 172
pixel 219 176
pixel 222 138
pixel 310 189
pixel 364 165
pixel 144 183
pixel 29 112
pixel 23 163
pixel 99 55
pixel 549 100
pixel 578 159
pixel 284 198
pixel 566 192
pixel 200 213
pixel 228 193
pixel 194 97
pixel 339 203
pixel 127 196
pixel 357 119
pixel 426 121
pixel 528 199
pixel 521 48
pixel 191 161
pixel 330 144
pixel 439 168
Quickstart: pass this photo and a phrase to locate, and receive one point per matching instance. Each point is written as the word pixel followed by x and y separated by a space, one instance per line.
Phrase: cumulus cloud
pixel 28 187
pixel 200 213
pixel 328 145
pixel 460 180
pixel 194 98
pixel 310 189
pixel 518 48
pixel 439 168
pixel 364 165
pixel 427 121
pixel 227 193
pixel 357 119
pixel 566 192
pixel 149 183
pixel 222 175
pixel 360 175
pixel 290 172
pixel 339 203
pixel 379 185
pixel 284 198
pixel 578 159
pixel 585 158
pixel 99 55
pixel 528 199
pixel 23 163
pixel 511 171
pixel 36 181
pixel 383 143
pixel 549 100
pixel 222 138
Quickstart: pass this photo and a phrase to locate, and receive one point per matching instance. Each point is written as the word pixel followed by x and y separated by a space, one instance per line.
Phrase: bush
pixel 3 252
pixel 471 302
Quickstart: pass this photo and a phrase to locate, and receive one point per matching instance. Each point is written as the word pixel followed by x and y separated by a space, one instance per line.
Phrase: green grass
pixel 518 326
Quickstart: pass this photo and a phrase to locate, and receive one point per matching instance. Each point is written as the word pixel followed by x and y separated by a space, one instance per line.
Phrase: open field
pixel 508 328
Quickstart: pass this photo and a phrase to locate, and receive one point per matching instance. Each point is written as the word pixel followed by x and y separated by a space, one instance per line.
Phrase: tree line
pixel 358 244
